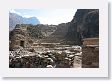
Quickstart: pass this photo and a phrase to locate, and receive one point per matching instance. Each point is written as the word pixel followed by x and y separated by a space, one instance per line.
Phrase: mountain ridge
pixel 17 19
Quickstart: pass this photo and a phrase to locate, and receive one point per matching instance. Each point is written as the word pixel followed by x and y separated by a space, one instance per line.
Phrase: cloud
pixel 57 16
pixel 13 11
pixel 49 16
pixel 21 14
pixel 27 16
pixel 54 20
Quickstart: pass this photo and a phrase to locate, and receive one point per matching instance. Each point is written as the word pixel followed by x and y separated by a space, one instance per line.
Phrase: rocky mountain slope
pixel 17 19
pixel 35 32
pixel 85 24
pixel 41 31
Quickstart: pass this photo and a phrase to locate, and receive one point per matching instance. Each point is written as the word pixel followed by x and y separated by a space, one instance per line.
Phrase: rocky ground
pixel 60 56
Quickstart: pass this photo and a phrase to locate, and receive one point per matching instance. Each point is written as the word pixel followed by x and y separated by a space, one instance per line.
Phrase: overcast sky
pixel 49 16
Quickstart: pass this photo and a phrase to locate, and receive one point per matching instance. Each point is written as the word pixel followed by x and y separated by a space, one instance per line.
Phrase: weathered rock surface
pixel 85 24
pixel 58 35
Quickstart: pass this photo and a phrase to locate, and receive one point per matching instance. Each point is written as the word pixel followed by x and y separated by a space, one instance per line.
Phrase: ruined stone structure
pixel 90 53
pixel 20 37
pixel 90 41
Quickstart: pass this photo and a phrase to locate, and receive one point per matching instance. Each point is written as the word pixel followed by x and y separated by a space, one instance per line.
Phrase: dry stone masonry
pixel 68 45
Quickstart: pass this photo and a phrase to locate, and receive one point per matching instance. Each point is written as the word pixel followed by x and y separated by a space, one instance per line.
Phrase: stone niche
pixel 90 53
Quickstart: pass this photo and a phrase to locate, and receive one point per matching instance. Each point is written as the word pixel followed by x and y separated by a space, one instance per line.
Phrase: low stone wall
pixel 91 41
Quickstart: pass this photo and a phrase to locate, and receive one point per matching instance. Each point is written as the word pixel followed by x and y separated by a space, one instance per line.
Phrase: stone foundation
pixel 90 57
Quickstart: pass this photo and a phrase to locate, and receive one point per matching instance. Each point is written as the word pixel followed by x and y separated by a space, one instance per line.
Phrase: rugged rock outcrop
pixel 85 24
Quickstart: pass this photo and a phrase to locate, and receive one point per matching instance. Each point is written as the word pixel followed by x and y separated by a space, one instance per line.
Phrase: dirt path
pixel 77 63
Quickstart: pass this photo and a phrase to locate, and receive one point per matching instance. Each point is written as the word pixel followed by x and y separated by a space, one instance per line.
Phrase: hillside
pixel 35 32
pixel 85 24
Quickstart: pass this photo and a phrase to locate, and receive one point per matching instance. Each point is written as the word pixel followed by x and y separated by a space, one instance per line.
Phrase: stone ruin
pixel 20 52
pixel 26 53
pixel 61 59
pixel 90 53
pixel 20 38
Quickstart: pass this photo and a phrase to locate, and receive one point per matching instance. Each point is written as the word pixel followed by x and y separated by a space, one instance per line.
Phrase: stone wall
pixel 91 41
pixel 90 54
pixel 19 38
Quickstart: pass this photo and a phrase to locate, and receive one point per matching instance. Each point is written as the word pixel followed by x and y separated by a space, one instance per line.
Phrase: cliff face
pixel 85 24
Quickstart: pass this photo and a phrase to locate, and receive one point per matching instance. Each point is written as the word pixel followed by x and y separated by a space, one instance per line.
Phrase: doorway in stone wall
pixel 22 43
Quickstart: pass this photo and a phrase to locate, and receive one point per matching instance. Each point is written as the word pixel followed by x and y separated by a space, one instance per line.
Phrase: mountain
pixel 56 33
pixel 17 19
pixel 85 24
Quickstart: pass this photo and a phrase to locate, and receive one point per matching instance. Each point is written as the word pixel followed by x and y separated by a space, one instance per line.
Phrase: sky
pixel 49 16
